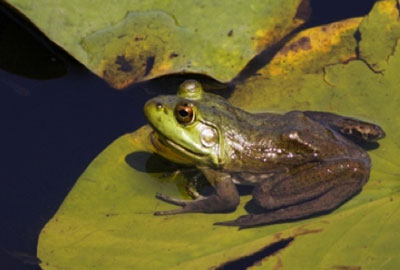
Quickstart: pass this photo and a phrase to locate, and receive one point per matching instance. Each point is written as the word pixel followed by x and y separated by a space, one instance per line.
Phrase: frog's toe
pixel 168 199
pixel 232 223
pixel 170 212
pixel 242 222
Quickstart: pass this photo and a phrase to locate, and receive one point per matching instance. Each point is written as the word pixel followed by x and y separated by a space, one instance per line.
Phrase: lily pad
pixel 107 219
pixel 356 76
pixel 134 40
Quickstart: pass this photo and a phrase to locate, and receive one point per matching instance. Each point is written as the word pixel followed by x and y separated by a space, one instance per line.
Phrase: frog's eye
pixel 184 113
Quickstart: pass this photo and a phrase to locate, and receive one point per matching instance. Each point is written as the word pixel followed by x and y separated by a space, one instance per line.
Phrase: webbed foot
pixel 245 221
pixel 351 127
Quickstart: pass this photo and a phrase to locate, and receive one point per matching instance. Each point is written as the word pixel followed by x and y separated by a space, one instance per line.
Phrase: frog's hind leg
pixel 350 127
pixel 327 202
pixel 308 182
pixel 316 190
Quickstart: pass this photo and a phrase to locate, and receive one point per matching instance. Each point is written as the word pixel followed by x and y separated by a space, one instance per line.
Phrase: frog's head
pixel 187 126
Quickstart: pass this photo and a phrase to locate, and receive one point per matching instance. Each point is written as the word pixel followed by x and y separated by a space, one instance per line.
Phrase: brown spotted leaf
pixel 130 40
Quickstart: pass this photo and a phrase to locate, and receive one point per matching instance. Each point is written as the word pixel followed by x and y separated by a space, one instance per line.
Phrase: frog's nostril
pixel 159 106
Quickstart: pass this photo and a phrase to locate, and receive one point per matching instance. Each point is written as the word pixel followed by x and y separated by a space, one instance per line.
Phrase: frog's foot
pixel 192 191
pixel 323 204
pixel 226 198
pixel 210 204
pixel 353 128
pixel 199 205
pixel 185 204
pixel 191 187
pixel 241 222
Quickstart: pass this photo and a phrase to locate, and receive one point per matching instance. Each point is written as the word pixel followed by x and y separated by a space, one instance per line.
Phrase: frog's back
pixel 271 142
pixel 322 138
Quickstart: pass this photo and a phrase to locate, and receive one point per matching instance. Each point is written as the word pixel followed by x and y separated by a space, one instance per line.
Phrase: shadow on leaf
pixel 151 163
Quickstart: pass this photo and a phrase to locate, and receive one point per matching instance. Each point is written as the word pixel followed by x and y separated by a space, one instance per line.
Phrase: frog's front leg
pixel 317 190
pixel 225 198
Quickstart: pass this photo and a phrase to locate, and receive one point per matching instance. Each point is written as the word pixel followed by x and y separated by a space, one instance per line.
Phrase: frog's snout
pixel 153 108
pixel 153 104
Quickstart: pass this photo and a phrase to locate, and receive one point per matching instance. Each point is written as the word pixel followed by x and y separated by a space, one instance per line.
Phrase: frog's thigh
pixel 312 183
pixel 325 203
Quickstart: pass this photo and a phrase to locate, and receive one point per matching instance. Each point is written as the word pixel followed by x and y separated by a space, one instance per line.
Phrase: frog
pixel 299 163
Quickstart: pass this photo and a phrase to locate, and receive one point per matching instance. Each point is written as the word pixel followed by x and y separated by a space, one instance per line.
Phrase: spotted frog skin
pixel 300 163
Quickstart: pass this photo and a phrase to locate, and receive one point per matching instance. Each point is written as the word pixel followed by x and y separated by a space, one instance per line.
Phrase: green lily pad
pixel 107 219
pixel 134 40
pixel 107 222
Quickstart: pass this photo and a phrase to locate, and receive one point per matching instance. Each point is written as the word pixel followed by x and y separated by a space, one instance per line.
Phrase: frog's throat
pixel 161 143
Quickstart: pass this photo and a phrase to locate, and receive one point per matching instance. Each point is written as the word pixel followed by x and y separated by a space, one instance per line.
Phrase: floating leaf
pixel 281 84
pixel 107 219
pixel 134 40
pixel 354 73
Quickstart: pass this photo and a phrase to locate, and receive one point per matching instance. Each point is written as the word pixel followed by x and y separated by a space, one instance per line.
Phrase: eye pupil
pixel 183 113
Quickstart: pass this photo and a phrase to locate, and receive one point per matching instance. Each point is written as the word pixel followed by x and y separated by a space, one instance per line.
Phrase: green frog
pixel 300 163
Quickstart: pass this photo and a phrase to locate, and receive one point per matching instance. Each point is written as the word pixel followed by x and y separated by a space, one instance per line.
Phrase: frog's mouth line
pixel 160 142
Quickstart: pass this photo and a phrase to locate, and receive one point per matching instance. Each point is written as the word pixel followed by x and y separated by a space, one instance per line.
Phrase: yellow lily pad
pixel 131 40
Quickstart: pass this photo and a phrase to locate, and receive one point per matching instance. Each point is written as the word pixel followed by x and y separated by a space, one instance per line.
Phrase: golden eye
pixel 184 113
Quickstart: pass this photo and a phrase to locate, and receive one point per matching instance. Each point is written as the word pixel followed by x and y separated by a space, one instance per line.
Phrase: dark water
pixel 56 116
